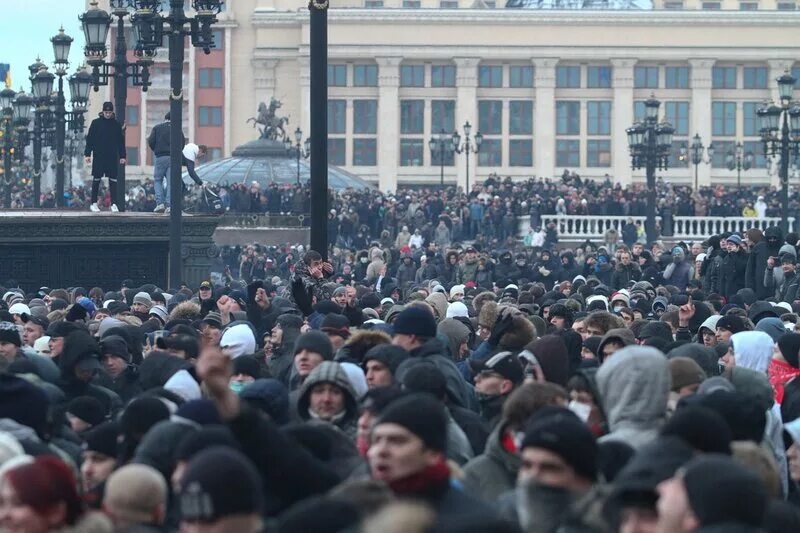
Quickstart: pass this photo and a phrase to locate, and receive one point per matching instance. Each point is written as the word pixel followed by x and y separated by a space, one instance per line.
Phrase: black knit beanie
pixel 421 414
pixel 562 433
pixel 10 333
pixel 789 345
pixel 103 439
pixel 88 409
pixel 116 346
pixel 720 491
pixel 389 355
pixel 315 341
pixel 702 428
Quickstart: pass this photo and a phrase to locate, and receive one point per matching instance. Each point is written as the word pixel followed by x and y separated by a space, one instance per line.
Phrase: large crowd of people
pixel 414 382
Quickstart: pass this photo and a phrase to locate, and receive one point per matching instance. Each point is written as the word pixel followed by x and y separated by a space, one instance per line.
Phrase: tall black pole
pixel 784 173
pixel 466 154
pixel 37 158
pixel 176 141
pixel 319 125
pixel 650 156
pixel 60 132
pixel 441 164
pixel 120 99
pixel 7 161
pixel 696 177
pixel 298 163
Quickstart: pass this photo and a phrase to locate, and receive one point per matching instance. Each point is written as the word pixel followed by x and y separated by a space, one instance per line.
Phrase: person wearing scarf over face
pixel 407 452
pixel 783 368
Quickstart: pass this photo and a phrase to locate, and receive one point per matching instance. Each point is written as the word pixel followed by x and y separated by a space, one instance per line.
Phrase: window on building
pixel 365 75
pixel 214 153
pixel 365 152
pixel 786 6
pixel 755 77
pixel 568 117
pixel 219 39
pixel 412 152
pixel 337 120
pixel 598 115
pixel 490 117
pixel 598 153
pixel 520 153
pixel 491 154
pixel 712 6
pixel 639 111
pixel 568 77
pixel 365 116
pixel 673 4
pixel 373 3
pixel 448 4
pixel 598 77
pixel 520 117
pixel 412 76
pixel 337 153
pixel 210 78
pixel 721 149
pixel 750 120
pixel 490 76
pixel 132 115
pixel 412 116
pixel 723 77
pixel 568 153
pixel 676 77
pixel 645 77
pixel 337 75
pixel 133 155
pixel 748 6
pixel 210 116
pixel 520 76
pixel 443 76
pixel 443 116
pixel 411 4
pixel 723 119
pixel 677 114
pixel 796 75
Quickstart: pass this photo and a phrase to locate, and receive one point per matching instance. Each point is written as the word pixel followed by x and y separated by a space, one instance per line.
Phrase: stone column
pixel 622 118
pixel 544 138
pixel 701 78
pixel 388 121
pixel 466 110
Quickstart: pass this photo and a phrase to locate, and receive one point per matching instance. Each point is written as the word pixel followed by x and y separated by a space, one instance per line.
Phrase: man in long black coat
pixel 105 150
pixel 770 246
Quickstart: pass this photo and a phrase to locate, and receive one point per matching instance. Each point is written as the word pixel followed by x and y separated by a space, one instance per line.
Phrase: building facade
pixel 547 89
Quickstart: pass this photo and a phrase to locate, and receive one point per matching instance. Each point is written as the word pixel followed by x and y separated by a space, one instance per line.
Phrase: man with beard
pixel 468 268
pixel 495 379
pixel 625 272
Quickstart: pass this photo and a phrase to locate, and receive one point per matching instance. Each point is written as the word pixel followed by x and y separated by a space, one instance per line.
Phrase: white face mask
pixel 617 308
pixel 581 409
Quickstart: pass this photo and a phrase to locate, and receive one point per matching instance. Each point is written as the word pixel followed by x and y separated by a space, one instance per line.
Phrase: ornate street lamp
pixel 7 106
pixel 779 127
pixel 176 25
pixel 696 153
pixel 650 144
pixel 298 149
pixel 444 148
pixel 469 146
pixel 738 160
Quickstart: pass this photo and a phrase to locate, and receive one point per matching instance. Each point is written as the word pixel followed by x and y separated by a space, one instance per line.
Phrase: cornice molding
pixel 515 17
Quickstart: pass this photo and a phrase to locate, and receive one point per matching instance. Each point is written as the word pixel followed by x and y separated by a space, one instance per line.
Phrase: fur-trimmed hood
pixel 359 344
pixel 185 310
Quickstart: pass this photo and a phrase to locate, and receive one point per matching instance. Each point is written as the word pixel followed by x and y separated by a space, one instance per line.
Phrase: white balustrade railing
pixel 578 228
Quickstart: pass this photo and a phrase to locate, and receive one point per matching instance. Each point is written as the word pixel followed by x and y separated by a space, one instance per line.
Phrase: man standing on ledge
pixel 190 154
pixel 105 150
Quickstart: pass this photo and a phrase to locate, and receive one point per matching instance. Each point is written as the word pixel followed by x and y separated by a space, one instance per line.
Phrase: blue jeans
pixel 161 171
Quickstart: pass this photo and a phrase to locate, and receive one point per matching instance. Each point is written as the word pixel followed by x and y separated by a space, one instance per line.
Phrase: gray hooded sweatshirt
pixel 634 385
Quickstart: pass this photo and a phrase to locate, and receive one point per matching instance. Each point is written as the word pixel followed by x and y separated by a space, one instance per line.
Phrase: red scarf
pixel 435 478
pixel 781 373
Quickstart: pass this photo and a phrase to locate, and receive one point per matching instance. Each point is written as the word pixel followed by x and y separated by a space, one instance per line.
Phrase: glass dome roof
pixel 266 162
